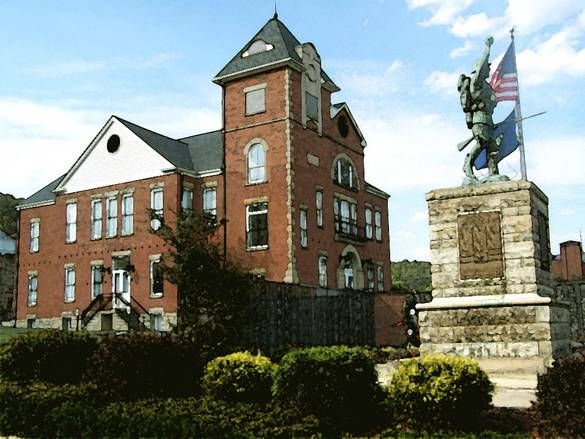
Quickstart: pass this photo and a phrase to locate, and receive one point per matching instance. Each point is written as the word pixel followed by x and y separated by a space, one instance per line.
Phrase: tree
pixel 213 294
pixel 8 214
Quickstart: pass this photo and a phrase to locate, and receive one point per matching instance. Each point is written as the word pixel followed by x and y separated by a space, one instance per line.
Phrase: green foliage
pixel 240 376
pixel 143 365
pixel 439 391
pixel 214 295
pixel 24 408
pixel 53 356
pixel 409 275
pixel 560 398
pixel 338 385
pixel 8 213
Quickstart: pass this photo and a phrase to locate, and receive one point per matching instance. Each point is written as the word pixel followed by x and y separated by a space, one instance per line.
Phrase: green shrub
pixel 145 365
pixel 24 408
pixel 439 391
pixel 53 356
pixel 240 376
pixel 560 398
pixel 336 384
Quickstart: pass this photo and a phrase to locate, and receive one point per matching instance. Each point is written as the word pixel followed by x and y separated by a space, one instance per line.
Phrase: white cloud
pixel 369 78
pixel 419 216
pixel 474 25
pixel 442 82
pixel 462 50
pixel 442 11
pixel 540 13
pixel 567 211
pixel 67 68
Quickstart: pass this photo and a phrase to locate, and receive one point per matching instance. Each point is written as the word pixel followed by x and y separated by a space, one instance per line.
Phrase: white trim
pixel 255 87
pixel 287 61
pixel 33 205
pixel 121 253
pixel 334 111
pixel 484 301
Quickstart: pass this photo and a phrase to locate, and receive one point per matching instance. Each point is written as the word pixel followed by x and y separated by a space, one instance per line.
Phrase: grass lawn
pixel 7 333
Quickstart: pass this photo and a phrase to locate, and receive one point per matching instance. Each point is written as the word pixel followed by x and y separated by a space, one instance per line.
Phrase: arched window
pixel 345 174
pixel 256 163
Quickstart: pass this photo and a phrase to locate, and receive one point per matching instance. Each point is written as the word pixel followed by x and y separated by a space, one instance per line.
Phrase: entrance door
pixel 121 287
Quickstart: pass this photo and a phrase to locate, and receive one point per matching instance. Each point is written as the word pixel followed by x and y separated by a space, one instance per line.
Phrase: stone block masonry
pixel 492 289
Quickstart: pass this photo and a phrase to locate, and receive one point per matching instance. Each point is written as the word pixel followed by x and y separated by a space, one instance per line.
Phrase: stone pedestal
pixel 492 289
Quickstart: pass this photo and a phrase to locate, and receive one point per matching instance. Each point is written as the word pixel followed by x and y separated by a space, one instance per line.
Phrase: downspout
pixel 16 267
pixel 224 175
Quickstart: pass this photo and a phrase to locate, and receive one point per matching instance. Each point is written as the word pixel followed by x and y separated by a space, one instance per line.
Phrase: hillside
pixel 409 275
pixel 8 213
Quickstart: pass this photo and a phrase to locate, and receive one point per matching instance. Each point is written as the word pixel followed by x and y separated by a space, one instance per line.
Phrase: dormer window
pixel 257 46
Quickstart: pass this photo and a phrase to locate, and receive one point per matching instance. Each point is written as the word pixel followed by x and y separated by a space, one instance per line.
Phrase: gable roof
pixel 284 43
pixel 199 153
pixel 335 109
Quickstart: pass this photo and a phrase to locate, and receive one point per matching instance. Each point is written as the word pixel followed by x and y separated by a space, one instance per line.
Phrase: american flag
pixel 504 81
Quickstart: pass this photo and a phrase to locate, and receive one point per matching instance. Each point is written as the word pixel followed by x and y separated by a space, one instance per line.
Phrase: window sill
pixel 70 242
pixel 255 183
pixel 69 301
pixel 95 239
pixel 257 248
pixel 31 305
pixel 156 296
pixel 123 235
pixel 32 252
pixel 255 113
pixel 112 237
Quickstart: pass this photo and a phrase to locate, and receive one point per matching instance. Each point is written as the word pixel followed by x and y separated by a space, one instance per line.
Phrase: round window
pixel 113 143
pixel 343 126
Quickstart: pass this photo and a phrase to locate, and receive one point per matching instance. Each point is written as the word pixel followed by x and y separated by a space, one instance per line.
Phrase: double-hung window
pixel 378 224
pixel 69 284
pixel 35 230
pixel 371 274
pixel 71 223
pixel 345 215
pixel 380 278
pixel 187 199
pixel 256 163
pixel 112 217
pixel 210 202
pixel 323 271
pixel 255 101
pixel 157 207
pixel 304 232
pixel 156 278
pixel 33 284
pixel 319 207
pixel 257 226
pixel 369 226
pixel 127 214
pixel 97 280
pixel 96 219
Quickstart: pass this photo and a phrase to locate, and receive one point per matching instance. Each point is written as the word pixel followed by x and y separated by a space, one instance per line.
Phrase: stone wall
pixel 574 294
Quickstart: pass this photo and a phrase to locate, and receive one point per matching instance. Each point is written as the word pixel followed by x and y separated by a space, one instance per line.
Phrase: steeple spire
pixel 275 11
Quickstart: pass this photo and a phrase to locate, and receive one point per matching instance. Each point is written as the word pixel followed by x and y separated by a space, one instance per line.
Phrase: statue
pixel 478 101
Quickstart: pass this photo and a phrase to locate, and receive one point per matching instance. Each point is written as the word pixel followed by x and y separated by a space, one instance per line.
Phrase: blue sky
pixel 66 67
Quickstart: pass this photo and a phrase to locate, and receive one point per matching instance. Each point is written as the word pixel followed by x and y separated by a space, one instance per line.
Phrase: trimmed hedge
pixel 436 391
pixel 338 385
pixel 144 365
pixel 49 355
pixel 240 376
pixel 560 399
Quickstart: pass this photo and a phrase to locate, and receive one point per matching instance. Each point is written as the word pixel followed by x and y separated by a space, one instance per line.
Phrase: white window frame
pixel 71 223
pixel 97 214
pixel 210 204
pixel 35 233
pixel 157 211
pixel 378 224
pixel 97 288
pixel 303 225
pixel 69 293
pixel 380 274
pixel 127 214
pixel 319 207
pixel 256 96
pixel 249 215
pixel 156 320
pixel 369 226
pixel 153 262
pixel 371 273
pixel 322 270
pixel 259 167
pixel 32 296
pixel 111 216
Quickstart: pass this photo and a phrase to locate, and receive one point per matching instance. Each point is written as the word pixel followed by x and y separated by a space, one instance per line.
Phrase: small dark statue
pixel 478 101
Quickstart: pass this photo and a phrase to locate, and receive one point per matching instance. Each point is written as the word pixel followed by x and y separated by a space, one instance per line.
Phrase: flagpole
pixel 519 117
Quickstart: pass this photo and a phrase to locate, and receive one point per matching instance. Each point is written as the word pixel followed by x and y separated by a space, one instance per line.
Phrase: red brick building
pixel 284 178
pixel 569 264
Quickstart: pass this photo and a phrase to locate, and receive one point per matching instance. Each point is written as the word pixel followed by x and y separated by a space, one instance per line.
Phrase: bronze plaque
pixel 480 246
